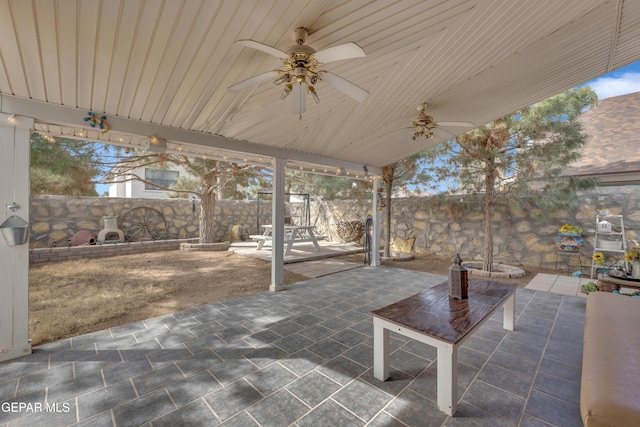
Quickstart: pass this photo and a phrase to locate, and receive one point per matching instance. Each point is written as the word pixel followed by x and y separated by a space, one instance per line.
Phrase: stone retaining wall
pixel 41 255
pixel 520 237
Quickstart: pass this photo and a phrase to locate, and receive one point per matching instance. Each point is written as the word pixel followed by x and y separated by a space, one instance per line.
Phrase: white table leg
pixel 313 240
pixel 448 378
pixel 509 319
pixel 292 237
pixel 380 351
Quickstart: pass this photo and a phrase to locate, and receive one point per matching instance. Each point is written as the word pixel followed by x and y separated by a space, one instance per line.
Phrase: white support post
pixel 277 218
pixel 15 136
pixel 375 233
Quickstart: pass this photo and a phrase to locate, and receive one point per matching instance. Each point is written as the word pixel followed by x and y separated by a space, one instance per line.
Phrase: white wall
pixel 137 190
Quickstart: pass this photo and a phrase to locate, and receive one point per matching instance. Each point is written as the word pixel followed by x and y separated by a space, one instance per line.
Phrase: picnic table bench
pixel 293 234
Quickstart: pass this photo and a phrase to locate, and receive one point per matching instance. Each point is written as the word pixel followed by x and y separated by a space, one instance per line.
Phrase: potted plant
pixel 633 256
pixel 568 239
pixel 603 267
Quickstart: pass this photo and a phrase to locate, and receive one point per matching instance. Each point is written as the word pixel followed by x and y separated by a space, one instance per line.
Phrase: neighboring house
pixel 137 189
pixel 612 151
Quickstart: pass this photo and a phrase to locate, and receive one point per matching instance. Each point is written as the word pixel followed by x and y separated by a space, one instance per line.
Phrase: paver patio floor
pixel 303 357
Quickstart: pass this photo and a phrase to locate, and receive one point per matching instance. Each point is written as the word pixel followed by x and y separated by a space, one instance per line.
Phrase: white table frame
pixel 293 234
pixel 447 387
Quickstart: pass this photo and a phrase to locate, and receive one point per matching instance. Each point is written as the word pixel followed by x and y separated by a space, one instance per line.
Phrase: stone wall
pixel 66 253
pixel 55 219
pixel 520 237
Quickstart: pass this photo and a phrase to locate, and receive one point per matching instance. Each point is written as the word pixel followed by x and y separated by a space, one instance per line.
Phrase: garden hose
pixel 368 224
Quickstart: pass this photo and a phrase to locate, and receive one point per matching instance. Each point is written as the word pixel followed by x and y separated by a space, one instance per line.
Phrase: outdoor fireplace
pixel 110 233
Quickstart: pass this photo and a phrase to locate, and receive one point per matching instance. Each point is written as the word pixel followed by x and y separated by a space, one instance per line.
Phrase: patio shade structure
pixel 162 68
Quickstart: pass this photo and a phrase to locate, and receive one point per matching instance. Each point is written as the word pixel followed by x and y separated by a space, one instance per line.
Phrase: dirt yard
pixel 76 297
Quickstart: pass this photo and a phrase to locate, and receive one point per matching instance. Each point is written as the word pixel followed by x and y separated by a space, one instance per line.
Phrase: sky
pixel 619 82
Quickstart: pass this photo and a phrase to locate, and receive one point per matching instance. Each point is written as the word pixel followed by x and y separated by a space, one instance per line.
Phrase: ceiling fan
pixel 300 71
pixel 424 125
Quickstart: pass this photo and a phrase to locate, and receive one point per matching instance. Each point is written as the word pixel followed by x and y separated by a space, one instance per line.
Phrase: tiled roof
pixel 613 143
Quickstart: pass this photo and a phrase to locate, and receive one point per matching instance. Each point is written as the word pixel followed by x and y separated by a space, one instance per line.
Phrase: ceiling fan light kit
pixel 424 124
pixel 300 67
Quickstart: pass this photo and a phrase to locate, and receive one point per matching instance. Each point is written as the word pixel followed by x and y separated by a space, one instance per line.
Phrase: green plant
pixel 570 229
pixel 590 287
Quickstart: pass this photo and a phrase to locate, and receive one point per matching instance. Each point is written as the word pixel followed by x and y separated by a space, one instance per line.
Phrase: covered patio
pixel 160 71
pixel 304 357
pixel 188 78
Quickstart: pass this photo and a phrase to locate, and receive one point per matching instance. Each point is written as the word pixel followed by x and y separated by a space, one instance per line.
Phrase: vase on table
pixel 635 269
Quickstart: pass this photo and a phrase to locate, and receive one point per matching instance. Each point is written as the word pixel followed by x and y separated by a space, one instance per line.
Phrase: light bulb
pixel 287 90
pixel 311 91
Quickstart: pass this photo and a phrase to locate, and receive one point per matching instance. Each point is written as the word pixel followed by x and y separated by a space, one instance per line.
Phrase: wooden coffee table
pixel 435 319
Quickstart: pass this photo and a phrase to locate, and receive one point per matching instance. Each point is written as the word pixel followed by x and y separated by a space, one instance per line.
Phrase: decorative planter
pixel 568 242
pixel 15 231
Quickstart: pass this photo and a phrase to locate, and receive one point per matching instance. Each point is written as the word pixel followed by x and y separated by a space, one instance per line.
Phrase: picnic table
pixel 293 234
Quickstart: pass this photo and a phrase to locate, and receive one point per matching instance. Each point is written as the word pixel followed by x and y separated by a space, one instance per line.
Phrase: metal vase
pixel 15 231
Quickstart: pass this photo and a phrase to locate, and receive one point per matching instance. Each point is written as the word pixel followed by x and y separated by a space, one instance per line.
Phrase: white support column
pixel 375 233
pixel 15 136
pixel 277 220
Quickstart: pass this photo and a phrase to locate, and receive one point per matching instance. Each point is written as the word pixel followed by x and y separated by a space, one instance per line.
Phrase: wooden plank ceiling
pixel 169 63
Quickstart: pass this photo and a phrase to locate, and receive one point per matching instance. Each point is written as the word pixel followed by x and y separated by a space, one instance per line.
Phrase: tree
pixel 404 173
pixel 63 166
pixel 328 186
pixel 520 157
pixel 211 178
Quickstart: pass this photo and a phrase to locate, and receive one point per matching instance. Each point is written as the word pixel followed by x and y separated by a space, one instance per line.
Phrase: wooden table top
pixel 433 313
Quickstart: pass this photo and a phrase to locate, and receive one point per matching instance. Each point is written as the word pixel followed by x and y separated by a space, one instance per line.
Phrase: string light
pixel 12 119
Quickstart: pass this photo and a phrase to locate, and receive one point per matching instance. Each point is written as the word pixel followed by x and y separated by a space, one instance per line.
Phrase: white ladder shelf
pixel 614 241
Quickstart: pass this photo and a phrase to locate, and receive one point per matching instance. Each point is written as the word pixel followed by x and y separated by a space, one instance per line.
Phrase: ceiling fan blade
pixel 299 99
pixel 336 53
pixel 406 138
pixel 263 47
pixel 460 124
pixel 253 81
pixel 442 134
pixel 345 86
